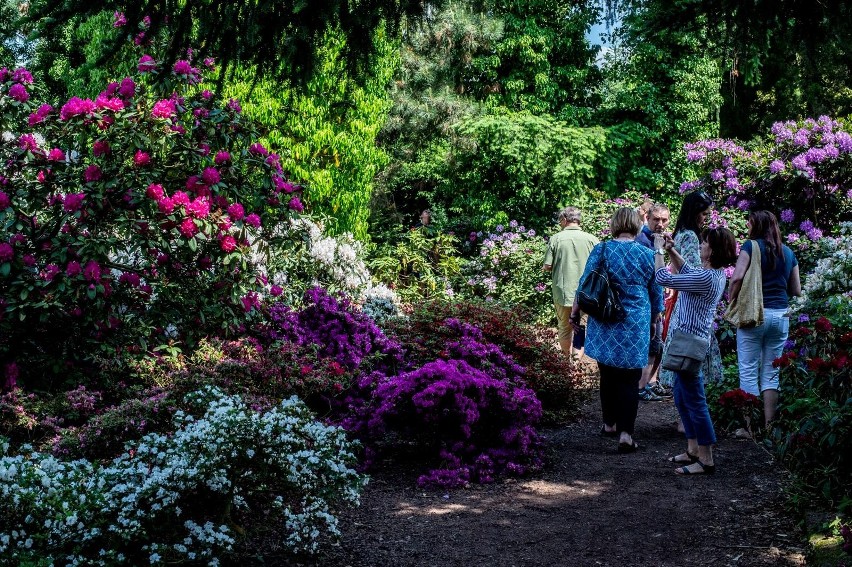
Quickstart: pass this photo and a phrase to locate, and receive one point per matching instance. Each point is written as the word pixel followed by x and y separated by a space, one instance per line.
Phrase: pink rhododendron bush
pixel 128 223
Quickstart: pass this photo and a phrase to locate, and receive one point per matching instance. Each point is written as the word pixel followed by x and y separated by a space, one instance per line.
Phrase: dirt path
pixel 592 506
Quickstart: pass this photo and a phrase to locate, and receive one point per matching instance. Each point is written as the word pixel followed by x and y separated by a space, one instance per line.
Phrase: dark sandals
pixel 684 459
pixel 605 433
pixel 624 448
pixel 703 469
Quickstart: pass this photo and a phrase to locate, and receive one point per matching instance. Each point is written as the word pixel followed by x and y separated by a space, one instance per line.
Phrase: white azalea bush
pixel 381 304
pixel 831 279
pixel 189 497
pixel 335 263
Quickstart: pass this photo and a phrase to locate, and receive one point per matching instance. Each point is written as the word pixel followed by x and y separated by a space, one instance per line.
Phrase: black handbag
pixel 685 353
pixel 597 296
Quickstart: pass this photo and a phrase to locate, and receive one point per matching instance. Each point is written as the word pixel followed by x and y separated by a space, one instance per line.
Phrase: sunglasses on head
pixel 707 199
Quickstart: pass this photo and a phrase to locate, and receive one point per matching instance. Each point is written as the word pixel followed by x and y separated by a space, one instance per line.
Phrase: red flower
pixel 823 325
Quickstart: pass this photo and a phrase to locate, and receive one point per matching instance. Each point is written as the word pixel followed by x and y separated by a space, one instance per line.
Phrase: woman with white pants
pixel 758 347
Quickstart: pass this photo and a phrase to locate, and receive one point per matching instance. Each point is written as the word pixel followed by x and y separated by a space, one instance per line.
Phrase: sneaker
pixel 646 395
pixel 660 390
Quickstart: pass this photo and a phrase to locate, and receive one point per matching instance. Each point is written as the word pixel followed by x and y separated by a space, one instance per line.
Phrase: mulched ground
pixel 592 506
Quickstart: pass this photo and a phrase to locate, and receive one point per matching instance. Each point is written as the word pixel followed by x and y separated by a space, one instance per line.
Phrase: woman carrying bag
pixel 700 288
pixel 761 341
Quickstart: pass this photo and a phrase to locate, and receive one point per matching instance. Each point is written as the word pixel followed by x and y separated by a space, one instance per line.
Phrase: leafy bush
pixel 508 271
pixel 132 225
pixel 431 328
pixel 197 495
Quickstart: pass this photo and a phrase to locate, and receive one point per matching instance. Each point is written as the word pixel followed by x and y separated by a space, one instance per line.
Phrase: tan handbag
pixel 746 311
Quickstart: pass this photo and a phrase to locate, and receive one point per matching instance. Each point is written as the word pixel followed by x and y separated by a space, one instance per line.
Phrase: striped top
pixel 700 290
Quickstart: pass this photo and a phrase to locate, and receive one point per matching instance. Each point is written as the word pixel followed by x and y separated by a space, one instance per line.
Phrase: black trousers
pixel 619 401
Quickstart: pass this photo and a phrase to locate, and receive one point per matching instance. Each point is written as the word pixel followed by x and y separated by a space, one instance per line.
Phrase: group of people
pixel 642 259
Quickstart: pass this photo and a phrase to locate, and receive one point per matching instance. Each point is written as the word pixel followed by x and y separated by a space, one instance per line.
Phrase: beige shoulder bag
pixel 746 311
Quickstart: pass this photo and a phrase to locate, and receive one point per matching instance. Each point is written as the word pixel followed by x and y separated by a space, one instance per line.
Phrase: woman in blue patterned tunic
pixel 621 348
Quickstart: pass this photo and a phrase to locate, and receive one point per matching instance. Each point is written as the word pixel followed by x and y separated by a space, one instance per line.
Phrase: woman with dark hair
pixel 690 222
pixel 700 287
pixel 621 347
pixel 758 347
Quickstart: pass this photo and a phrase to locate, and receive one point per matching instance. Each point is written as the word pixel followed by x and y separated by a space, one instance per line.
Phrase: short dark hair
pixel 723 247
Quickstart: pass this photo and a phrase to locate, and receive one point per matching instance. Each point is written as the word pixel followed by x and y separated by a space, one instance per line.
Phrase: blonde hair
pixel 627 220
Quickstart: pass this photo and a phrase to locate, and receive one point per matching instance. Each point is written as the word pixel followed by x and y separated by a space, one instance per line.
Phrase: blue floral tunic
pixel 631 268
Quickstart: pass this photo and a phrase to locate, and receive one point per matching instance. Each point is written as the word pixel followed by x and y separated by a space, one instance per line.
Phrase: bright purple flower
pixel 118 20
pixel 23 76
pixel 19 92
pixel 792 237
pixel 206 94
pixel 180 198
pixel 130 278
pixel 73 202
pixel 127 89
pixel 236 211
pixel 234 105
pixel 800 162
pixel 141 159
pixel 166 205
pixel 296 204
pixel 28 142
pixel 815 155
pixel 805 226
pixel 831 152
pixel 50 272
pixel 5 201
pixel 844 142
pixel 743 205
pixel 253 220
pixel 182 67
pixel 92 271
pixel 29 260
pixel 787 215
pixel 199 208
pixel 155 191
pixel 814 234
pixel 76 107
pixel 258 149
pixel 92 173
pixel 209 62
pixel 163 109
pixel 228 243
pixel 801 138
pixel 695 155
pixel 4 74
pixel 146 64
pixel 777 166
pixel 56 155
pixel 804 318
pixel 275 290
pixel 6 252
pixel 221 157
pixel 210 176
pixel 187 228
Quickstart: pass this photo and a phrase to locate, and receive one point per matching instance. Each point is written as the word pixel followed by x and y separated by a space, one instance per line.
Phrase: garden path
pixel 592 506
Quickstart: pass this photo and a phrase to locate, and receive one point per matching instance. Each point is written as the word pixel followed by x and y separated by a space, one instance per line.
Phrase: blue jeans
pixel 692 406
pixel 758 348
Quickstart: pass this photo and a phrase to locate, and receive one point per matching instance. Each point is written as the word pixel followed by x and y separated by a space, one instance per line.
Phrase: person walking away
pixel 565 258
pixel 758 347
pixel 700 288
pixel 621 347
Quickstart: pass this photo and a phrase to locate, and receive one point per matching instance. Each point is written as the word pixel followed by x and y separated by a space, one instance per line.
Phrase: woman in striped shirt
pixel 700 289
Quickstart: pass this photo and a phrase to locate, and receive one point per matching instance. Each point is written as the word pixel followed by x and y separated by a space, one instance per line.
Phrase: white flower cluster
pixel 832 276
pixel 165 500
pixel 381 303
pixel 333 262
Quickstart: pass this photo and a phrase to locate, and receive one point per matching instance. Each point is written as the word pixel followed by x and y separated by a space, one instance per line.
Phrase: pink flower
pixel 5 201
pixel 250 301
pixel 100 148
pixel 209 62
pixel 23 76
pixel 204 149
pixel 210 176
pixel 253 220
pixel 155 191
pixel 19 92
pixel 109 103
pixel 166 205
pixel 225 224
pixel 141 159
pixel 39 115
pixel 56 155
pixel 118 20
pixel 50 272
pixel 258 149
pixel 187 228
pixel 76 107
pixel 228 243
pixel 73 269
pixel 7 252
pixel 146 64
pixel 234 105
pixel 41 177
pixel 295 204
pixel 73 202
pixel 199 208
pixel 92 271
pixel 163 109
pixel 130 279
pixel 206 95
pixel 222 157
pixel 182 67
pixel 180 198
pixel 28 142
pixel 236 211
pixel 127 88
pixel 4 74
pixel 92 173
pixel 276 290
